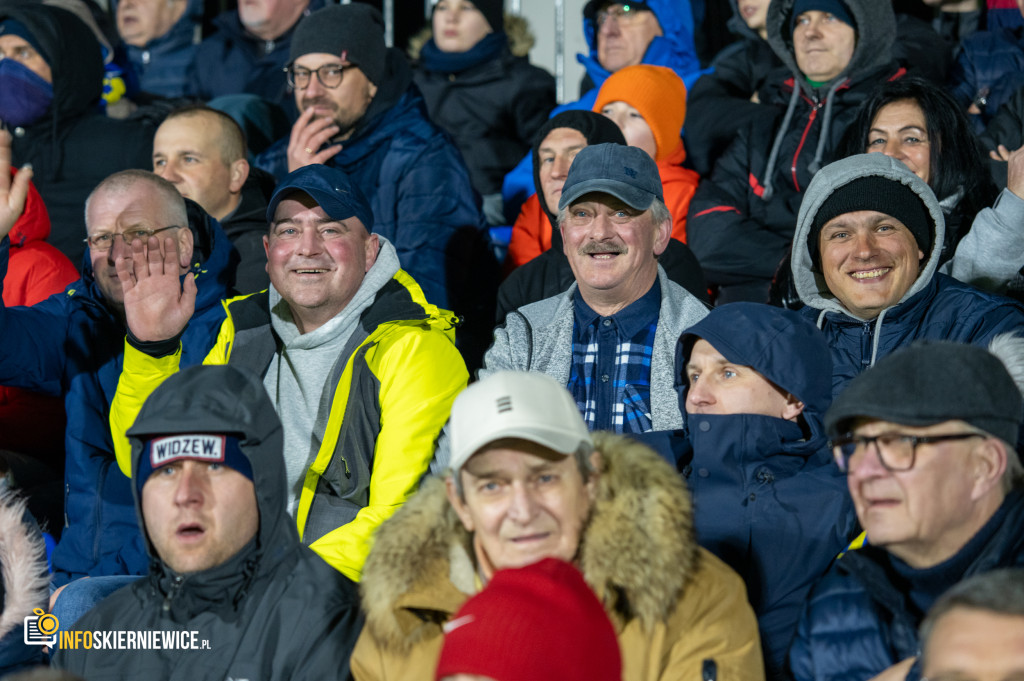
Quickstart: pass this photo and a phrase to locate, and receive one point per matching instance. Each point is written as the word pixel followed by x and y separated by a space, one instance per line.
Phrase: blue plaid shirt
pixel 611 363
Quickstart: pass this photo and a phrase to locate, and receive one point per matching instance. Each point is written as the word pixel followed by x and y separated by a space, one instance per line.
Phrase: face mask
pixel 26 95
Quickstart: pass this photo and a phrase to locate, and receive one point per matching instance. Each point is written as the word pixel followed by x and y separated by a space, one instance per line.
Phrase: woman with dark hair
pixel 917 122
pixel 921 125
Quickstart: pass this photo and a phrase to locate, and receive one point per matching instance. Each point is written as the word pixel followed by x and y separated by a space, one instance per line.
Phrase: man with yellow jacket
pixel 360 367
pixel 528 482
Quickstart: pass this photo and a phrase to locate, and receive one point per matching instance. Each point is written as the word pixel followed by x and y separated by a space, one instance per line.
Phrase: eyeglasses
pixel 329 75
pixel 623 15
pixel 896 451
pixel 103 242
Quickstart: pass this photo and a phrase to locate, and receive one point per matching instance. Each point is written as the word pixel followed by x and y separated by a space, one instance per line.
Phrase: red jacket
pixel 31 423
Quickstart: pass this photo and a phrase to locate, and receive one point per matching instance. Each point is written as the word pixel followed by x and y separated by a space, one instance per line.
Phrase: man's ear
pixel 186 248
pixel 793 408
pixel 239 174
pixel 457 503
pixel 988 463
pixel 661 237
pixel 372 250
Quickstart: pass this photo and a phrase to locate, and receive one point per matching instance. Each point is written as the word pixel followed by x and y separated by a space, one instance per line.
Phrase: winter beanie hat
pixel 354 32
pixel 836 8
pixel 882 194
pixel 657 93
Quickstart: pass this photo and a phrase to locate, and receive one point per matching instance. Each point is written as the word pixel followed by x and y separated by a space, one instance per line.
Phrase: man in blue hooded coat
pixel 768 498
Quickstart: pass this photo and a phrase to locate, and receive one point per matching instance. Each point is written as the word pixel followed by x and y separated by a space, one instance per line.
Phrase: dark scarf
pixel 490 47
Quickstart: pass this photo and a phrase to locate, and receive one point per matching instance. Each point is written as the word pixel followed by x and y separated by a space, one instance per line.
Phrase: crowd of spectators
pixel 321 359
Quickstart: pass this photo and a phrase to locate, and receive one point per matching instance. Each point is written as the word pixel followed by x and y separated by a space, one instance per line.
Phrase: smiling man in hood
pixel 210 494
pixel 864 261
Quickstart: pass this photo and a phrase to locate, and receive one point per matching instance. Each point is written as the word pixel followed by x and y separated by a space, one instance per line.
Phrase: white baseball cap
pixel 515 404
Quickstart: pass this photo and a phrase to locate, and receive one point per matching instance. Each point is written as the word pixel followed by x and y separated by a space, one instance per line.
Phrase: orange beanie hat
pixel 657 93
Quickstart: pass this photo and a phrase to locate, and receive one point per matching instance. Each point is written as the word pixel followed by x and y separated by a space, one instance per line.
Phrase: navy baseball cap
pixel 332 189
pixel 627 173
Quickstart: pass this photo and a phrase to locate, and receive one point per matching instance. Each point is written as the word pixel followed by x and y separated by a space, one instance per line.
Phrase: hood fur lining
pixel 22 564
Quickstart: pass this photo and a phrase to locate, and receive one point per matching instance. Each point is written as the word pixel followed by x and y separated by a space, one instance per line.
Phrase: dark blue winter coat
pixel 72 344
pixel 991 62
pixel 935 306
pixel 768 497
pixel 234 61
pixel 857 622
pixel 675 50
pixel 416 181
pixel 162 64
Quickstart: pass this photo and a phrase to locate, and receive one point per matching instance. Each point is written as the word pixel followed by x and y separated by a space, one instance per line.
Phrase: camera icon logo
pixel 41 629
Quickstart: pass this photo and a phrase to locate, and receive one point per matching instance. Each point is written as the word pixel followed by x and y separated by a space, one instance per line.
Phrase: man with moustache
pixel 611 338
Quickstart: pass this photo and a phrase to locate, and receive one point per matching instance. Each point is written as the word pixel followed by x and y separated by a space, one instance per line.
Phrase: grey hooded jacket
pixel 935 306
pixel 274 610
pixel 538 337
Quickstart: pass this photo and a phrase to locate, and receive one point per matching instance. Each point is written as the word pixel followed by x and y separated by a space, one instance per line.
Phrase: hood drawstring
pixel 777 144
pixel 815 165
pixel 878 335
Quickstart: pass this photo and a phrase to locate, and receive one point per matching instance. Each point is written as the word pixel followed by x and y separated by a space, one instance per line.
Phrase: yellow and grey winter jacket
pixel 394 386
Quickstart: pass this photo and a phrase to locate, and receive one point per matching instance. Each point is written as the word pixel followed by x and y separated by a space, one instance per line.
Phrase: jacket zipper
pixel 175 588
pixel 803 138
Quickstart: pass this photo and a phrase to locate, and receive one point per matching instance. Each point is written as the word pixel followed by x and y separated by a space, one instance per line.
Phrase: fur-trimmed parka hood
pixel 638 550
pixel 26 583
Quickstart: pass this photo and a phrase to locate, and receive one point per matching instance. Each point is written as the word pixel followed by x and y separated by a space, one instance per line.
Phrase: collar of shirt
pixel 630 320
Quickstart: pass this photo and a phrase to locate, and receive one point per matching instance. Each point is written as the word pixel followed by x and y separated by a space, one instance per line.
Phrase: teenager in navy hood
pixel 51 89
pixel 768 498
pixel 225 558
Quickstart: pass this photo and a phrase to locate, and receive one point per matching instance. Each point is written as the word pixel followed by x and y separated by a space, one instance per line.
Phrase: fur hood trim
pixel 638 550
pixel 22 564
pixel 517 28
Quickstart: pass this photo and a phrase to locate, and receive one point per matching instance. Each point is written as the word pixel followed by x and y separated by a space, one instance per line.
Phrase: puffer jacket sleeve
pixel 32 339
pixel 436 224
pixel 990 254
pixel 415 401
pixel 1007 126
pixel 140 376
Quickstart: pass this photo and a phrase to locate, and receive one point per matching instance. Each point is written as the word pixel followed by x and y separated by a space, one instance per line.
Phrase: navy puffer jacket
pixel 857 623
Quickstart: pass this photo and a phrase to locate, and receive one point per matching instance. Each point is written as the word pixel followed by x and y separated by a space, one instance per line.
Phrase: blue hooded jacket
pixel 72 344
pixel 675 50
pixel 416 181
pixel 768 498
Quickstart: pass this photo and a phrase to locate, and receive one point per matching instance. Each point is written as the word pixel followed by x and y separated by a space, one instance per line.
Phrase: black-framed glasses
pixel 623 14
pixel 896 451
pixel 329 75
pixel 104 242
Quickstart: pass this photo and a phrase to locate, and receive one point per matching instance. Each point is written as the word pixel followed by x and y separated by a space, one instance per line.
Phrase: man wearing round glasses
pixel 362 115
pixel 928 440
